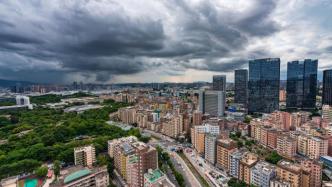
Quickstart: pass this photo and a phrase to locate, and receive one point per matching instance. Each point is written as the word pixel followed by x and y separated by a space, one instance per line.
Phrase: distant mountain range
pixel 9 83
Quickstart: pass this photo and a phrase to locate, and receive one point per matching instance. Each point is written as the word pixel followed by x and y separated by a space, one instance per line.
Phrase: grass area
pixel 201 179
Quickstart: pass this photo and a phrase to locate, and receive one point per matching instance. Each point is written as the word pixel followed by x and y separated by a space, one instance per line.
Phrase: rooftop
pixel 289 166
pixel 153 175
pixel 76 175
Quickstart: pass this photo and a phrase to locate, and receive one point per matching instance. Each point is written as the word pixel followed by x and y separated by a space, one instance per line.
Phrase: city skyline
pixel 166 41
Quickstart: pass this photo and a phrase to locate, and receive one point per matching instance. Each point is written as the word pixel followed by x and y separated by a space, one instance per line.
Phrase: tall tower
pixel 301 84
pixel 219 82
pixel 264 82
pixel 241 86
pixel 327 87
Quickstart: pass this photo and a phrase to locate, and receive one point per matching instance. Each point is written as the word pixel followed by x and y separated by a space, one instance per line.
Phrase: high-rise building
pixel 327 87
pixel 286 146
pixel 315 169
pixel 210 148
pixel 234 162
pixel 85 156
pixel 293 173
pixel 247 162
pixel 317 147
pixel 224 149
pixel 198 134
pixel 139 163
pixel 133 159
pixel 174 127
pixel 272 135
pixel 197 118
pixel 127 115
pixel 241 86
pixel 212 102
pixel 302 84
pixel 327 113
pixel 116 142
pixel 262 173
pixel 281 120
pixel 302 144
pixel 264 81
pixel 219 82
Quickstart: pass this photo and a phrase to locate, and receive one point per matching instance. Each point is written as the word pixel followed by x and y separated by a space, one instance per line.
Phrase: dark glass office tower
pixel 327 87
pixel 264 82
pixel 219 82
pixel 301 84
pixel 241 86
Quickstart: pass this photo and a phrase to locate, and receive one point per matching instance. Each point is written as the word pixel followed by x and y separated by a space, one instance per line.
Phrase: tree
pixel 273 157
pixel 41 171
pixel 233 182
pixel 56 168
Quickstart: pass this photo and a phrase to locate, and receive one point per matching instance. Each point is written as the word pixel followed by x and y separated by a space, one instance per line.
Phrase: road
pixel 204 168
pixel 178 162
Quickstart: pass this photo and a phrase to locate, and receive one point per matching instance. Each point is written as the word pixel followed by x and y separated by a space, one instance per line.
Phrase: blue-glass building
pixel 241 86
pixel 264 82
pixel 301 84
pixel 327 87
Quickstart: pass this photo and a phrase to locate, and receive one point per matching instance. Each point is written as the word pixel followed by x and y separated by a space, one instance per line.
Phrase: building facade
pixel 264 82
pixel 241 87
pixel 224 149
pixel 302 84
pixel 212 102
pixel 85 156
pixel 327 87
pixel 219 82
pixel 262 173
pixel 210 148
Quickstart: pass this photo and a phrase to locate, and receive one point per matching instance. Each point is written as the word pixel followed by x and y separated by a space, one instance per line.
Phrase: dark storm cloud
pixel 257 22
pixel 75 38
pixel 219 66
pixel 328 49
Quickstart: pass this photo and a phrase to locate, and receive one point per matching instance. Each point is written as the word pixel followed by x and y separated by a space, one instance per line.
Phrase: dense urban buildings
pixel 327 87
pixel 302 84
pixel 241 86
pixel 224 144
pixel 264 81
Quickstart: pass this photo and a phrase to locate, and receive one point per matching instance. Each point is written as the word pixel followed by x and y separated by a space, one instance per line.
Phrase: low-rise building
pixel 81 176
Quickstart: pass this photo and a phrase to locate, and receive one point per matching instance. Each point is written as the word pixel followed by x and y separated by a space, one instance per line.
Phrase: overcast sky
pixel 108 41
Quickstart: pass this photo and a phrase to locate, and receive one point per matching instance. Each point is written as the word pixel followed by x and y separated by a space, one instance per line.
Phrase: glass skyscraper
pixel 327 87
pixel 301 84
pixel 241 86
pixel 219 82
pixel 264 82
